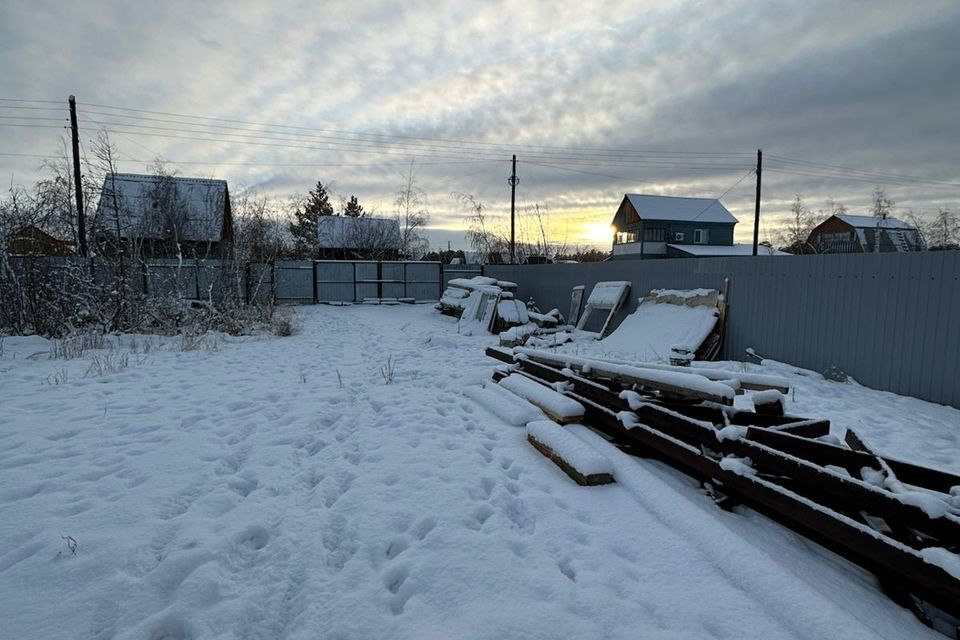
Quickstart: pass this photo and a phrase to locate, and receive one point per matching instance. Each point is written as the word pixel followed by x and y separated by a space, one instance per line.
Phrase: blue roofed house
pixel 648 226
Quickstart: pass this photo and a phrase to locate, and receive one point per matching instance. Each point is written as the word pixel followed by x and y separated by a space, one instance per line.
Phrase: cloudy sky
pixel 595 98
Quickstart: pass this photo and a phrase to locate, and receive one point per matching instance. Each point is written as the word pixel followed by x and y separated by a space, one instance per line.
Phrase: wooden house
pixel 842 233
pixel 31 240
pixel 648 226
pixel 360 238
pixel 165 216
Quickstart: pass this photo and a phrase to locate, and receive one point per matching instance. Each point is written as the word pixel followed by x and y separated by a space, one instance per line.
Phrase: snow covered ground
pixel 280 488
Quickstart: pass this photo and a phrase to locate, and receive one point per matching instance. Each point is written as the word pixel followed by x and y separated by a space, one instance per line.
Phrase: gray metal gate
pixel 341 281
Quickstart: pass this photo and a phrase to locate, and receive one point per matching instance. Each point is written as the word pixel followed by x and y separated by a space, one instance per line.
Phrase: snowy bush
pixel 75 300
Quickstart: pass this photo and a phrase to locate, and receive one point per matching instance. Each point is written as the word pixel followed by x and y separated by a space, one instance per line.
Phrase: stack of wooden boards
pixel 896 519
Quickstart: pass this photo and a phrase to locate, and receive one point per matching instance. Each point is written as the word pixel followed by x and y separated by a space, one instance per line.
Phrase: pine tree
pixel 353 208
pixel 304 226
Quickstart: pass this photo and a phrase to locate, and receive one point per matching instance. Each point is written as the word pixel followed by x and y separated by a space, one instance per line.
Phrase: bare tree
pixel 882 205
pixel 410 207
pixel 944 231
pixel 482 233
pixel 793 237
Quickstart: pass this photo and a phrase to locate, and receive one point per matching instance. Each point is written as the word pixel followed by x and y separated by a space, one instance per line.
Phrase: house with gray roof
pixel 649 226
pixel 164 216
pixel 358 238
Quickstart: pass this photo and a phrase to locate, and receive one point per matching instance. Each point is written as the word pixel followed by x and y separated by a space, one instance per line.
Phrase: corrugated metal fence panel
pixel 335 281
pixel 172 278
pixel 393 280
pixel 423 280
pixel 293 281
pixel 259 282
pixel 888 320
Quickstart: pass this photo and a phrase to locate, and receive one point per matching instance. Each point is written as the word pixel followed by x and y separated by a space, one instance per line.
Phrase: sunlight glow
pixel 600 233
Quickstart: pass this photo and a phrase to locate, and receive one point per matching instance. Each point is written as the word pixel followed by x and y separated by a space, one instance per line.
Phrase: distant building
pixel 165 216
pixel 666 226
pixel 33 241
pixel 364 238
pixel 842 233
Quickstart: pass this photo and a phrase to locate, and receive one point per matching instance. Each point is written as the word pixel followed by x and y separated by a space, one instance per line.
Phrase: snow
pixel 650 332
pixel 731 432
pixel 504 404
pixel 554 404
pixel 652 207
pixel 739 466
pixel 608 294
pixel 873 222
pixel 512 311
pixel 571 449
pixel 770 396
pixel 686 294
pixel 279 488
pixel 689 381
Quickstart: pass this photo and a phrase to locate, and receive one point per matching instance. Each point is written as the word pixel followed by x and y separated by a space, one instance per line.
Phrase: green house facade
pixel 664 226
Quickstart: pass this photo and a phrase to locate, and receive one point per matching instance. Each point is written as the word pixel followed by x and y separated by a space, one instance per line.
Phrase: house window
pixel 654 235
pixel 700 236
pixel 625 237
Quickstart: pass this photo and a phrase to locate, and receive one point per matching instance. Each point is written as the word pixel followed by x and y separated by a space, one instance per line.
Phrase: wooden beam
pixel 699 387
pixel 590 480
pixel 852 540
pixel 873 500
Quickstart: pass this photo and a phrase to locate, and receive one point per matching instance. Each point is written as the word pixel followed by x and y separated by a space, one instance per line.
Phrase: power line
pixel 820 167
pixel 371 146
pixel 871 180
pixel 28 100
pixel 408 137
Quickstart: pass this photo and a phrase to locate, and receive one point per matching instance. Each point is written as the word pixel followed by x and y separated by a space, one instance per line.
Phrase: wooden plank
pixel 805 428
pixel 700 389
pixel 873 500
pixel 850 539
pixel 590 480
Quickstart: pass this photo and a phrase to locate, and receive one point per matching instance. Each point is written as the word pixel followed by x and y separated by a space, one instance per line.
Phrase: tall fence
pixel 306 281
pixel 284 281
pixel 892 321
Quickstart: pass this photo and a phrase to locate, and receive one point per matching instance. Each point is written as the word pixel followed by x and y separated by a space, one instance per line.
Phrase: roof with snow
pixel 158 207
pixel 707 250
pixel 872 222
pixel 346 232
pixel 680 209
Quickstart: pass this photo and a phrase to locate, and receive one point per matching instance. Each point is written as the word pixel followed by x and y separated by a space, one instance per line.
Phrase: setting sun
pixel 600 233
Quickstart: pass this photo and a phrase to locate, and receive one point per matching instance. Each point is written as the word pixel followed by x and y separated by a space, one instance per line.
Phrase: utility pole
pixel 77 184
pixel 756 210
pixel 513 199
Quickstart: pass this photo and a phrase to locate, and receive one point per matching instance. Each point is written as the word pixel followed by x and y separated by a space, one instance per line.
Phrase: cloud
pixel 867 85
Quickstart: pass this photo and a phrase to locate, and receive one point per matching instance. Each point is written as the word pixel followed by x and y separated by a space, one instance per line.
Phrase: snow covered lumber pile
pixel 894 518
pixel 559 407
pixel 580 461
pixel 671 383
